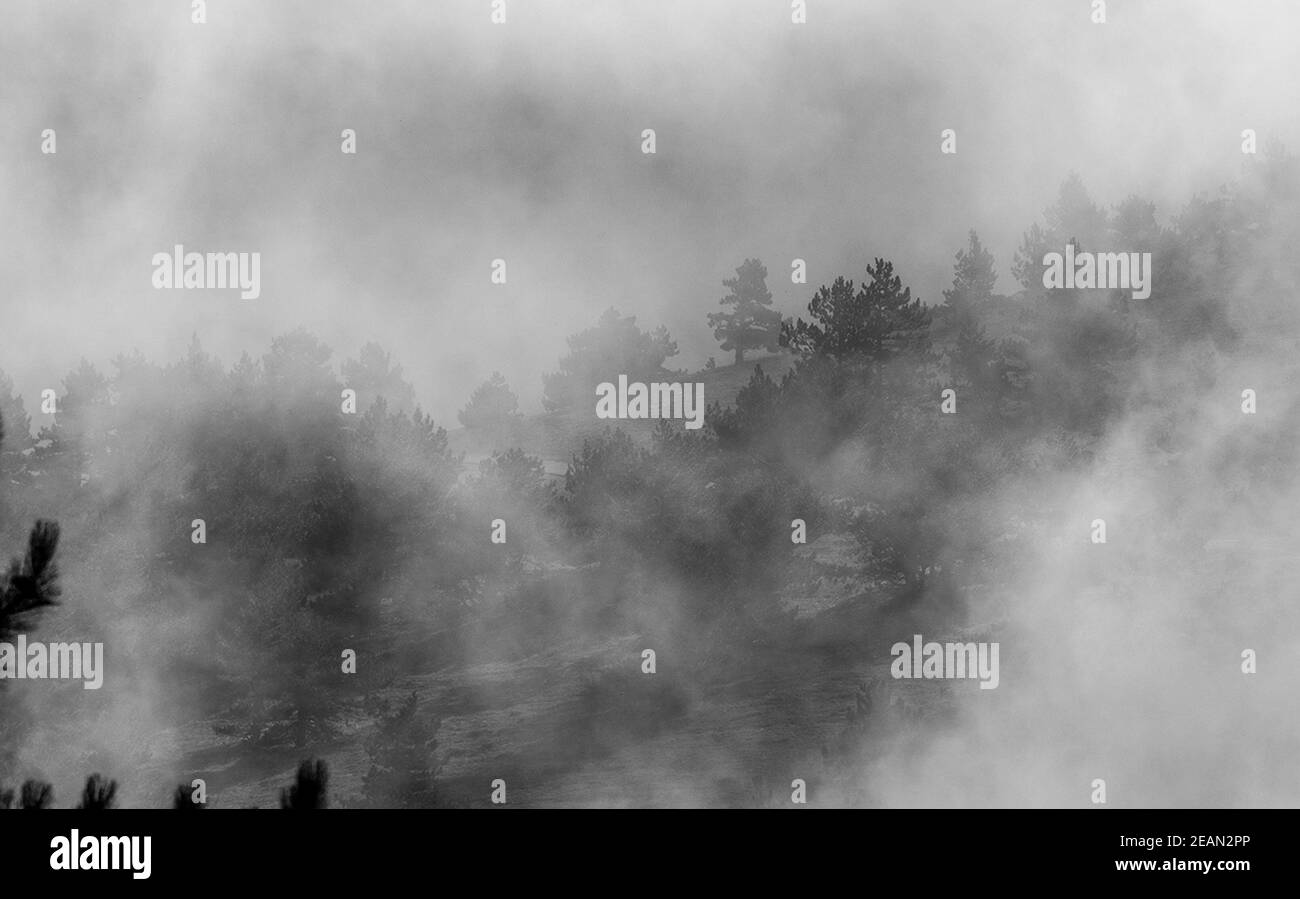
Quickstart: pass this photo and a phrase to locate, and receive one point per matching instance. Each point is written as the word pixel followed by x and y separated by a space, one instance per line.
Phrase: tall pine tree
pixel 750 323
pixel 970 351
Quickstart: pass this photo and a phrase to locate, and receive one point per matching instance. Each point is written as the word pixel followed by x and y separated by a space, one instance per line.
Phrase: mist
pixel 521 142
pixel 1120 660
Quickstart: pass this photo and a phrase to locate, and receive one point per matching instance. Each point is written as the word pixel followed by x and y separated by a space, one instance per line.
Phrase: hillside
pixel 555 437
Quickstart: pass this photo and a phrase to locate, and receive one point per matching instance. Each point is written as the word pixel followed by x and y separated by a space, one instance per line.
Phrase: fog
pixel 522 142
pixel 819 142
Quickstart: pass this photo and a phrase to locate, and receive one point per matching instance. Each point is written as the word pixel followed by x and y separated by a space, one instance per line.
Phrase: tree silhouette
pixel 971 353
pixel 750 324
pixel 31 583
pixel 13 411
pixel 183 798
pixel 873 325
pixel 373 375
pixel 973 275
pixel 98 793
pixel 1074 218
pixel 36 794
pixel 308 790
pixel 753 417
pixel 614 346
pixel 492 408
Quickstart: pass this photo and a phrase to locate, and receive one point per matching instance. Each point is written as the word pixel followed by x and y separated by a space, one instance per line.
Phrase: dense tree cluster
pixel 324 531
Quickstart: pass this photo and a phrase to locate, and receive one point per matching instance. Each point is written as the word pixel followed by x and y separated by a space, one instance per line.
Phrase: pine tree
pixel 373 375
pixel 1076 215
pixel 13 415
pixel 98 793
pixel 183 799
pixel 973 275
pixel 1027 265
pixel 31 583
pixel 36 794
pixel 493 408
pixel 750 324
pixel 753 416
pixel 970 352
pixel 1074 218
pixel 308 790
pixel 873 325
pixel 614 346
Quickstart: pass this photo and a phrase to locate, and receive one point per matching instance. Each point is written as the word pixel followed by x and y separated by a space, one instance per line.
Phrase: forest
pixel 308 603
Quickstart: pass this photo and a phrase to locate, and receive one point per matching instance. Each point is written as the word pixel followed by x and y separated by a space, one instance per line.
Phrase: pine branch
pixel 98 793
pixel 31 584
